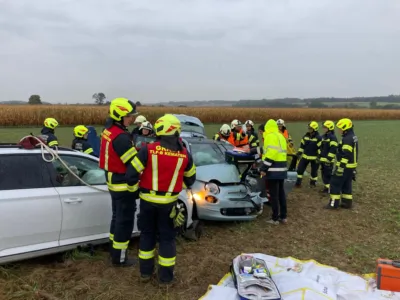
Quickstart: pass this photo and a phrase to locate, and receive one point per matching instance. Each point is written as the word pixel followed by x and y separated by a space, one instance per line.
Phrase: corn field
pixel 69 115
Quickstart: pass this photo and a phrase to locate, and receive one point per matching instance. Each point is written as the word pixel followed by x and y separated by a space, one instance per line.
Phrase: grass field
pixel 348 239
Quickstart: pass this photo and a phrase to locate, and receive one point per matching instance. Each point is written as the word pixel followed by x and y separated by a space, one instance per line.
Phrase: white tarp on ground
pixel 307 280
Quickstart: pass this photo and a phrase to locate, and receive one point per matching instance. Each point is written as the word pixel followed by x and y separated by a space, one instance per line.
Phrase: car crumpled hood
pixel 224 173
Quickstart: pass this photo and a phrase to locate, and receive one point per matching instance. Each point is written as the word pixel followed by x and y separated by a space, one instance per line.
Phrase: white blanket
pixel 307 280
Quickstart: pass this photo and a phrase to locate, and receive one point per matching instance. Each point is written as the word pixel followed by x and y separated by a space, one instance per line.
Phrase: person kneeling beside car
pixel 274 169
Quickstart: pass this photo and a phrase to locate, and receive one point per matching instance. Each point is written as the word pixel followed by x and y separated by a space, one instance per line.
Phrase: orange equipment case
pixel 388 275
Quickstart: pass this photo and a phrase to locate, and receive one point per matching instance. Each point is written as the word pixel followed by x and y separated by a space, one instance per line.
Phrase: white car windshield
pixel 206 154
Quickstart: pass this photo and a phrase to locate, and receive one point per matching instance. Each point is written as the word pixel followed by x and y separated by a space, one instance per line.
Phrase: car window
pixel 23 172
pixel 206 154
pixel 86 169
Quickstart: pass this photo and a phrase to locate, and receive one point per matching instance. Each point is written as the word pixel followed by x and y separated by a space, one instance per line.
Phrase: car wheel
pixel 195 231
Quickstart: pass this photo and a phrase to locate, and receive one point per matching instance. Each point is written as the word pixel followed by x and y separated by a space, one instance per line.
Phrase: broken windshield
pixel 206 154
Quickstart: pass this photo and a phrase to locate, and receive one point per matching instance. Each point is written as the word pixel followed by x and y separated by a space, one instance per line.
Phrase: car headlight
pixel 212 188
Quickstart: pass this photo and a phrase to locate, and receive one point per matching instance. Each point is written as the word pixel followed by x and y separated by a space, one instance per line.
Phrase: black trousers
pixel 303 163
pixel 326 174
pixel 341 189
pixel 154 219
pixel 292 166
pixel 123 216
pixel 277 198
pixel 262 187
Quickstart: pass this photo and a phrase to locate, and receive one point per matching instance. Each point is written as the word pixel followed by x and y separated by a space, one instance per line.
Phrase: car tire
pixel 195 231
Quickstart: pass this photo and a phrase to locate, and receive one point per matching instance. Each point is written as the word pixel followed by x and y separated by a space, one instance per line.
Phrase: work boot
pixel 283 221
pixel 145 278
pixel 121 255
pixel 333 204
pixel 346 203
pixel 298 183
pixel 273 222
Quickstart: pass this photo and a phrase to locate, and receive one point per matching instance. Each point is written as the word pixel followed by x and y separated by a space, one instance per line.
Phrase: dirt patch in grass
pixel 348 239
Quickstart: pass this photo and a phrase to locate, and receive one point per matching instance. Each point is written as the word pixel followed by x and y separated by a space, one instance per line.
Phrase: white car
pixel 45 210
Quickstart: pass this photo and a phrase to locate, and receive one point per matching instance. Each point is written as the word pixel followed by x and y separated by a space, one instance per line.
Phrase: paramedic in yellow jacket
pixel 274 169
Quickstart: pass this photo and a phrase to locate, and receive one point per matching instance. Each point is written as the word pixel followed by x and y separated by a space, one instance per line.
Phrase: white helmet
pixel 225 130
pixel 249 122
pixel 146 125
pixel 280 122
pixel 140 119
pixel 235 123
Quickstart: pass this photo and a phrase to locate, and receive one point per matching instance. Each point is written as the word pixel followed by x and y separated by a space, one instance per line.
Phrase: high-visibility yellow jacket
pixel 274 152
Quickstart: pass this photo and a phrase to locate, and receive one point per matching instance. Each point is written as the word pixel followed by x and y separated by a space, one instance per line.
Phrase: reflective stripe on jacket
pixel 109 160
pixel 329 147
pixel 162 177
pixel 310 146
pixel 347 155
pixel 252 139
pixel 238 139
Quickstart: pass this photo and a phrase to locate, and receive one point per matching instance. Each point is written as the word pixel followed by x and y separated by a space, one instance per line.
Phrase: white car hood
pixel 224 173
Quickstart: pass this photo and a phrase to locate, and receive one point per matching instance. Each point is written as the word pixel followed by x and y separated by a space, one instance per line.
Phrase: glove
pixel 354 175
pixel 177 215
pixel 339 172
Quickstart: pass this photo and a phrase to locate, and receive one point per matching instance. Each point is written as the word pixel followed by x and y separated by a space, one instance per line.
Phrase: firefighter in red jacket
pixel 116 153
pixel 166 167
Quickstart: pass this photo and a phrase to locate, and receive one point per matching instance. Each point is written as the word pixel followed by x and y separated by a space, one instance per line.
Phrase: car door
pixel 30 207
pixel 86 210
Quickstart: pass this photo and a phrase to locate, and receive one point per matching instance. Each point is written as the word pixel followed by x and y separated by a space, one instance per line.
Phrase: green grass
pixel 351 240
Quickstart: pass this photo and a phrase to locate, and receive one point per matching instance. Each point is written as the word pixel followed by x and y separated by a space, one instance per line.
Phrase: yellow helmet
pixel 121 107
pixel 50 123
pixel 329 124
pixel 313 125
pixel 80 131
pixel 167 125
pixel 344 124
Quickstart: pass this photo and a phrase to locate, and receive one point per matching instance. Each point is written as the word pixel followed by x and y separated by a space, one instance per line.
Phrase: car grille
pixel 238 211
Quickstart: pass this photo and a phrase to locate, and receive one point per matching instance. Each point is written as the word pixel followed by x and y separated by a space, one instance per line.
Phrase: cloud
pixel 164 50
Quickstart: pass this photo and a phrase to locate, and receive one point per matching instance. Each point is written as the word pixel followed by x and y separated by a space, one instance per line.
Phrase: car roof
pixel 12 148
pixel 189 119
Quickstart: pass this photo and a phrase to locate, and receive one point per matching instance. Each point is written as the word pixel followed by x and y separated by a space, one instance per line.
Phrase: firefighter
pixel 138 122
pixel 146 129
pixel 166 167
pixel 116 153
pixel 291 150
pixel 274 169
pixel 308 154
pixel 345 169
pixel 223 134
pixel 238 137
pixel 80 142
pixel 328 152
pixel 47 132
pixel 251 134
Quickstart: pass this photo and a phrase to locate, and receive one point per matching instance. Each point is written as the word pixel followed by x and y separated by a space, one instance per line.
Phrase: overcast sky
pixel 170 50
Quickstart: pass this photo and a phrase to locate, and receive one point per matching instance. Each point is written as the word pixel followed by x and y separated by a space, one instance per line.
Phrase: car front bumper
pixel 233 203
